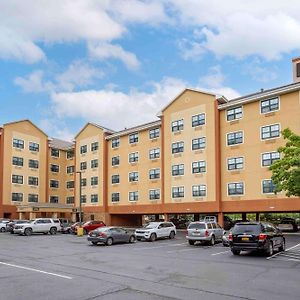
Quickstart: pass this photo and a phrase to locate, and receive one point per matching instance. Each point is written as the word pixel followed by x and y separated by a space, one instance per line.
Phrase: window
pixel 178 192
pixel 17 161
pixel 133 157
pixel 94 198
pixel 83 149
pixel 17 143
pixel 115 143
pixel 154 153
pixel 17 179
pixel 83 181
pixel 83 165
pixel 133 176
pixel 178 170
pixel 235 163
pixel 54 199
pixel 33 198
pixel 235 138
pixel 268 187
pixel 94 180
pixel 70 169
pixel 133 138
pixel 198 167
pixel 198 120
pixel 115 197
pixel 270 131
pixel 34 146
pixel 70 200
pixel 115 161
pixel 33 164
pixel 154 194
pixel 54 152
pixel 177 147
pixel 94 163
pixel 234 113
pixel 70 184
pixel 199 143
pixel 54 168
pixel 269 157
pixel 83 199
pixel 269 105
pixel 154 133
pixel 177 125
pixel 17 197
pixel 134 196
pixel 199 190
pixel 236 188
pixel 54 184
pixel 33 180
pixel 94 146
pixel 70 154
pixel 115 179
pixel 154 174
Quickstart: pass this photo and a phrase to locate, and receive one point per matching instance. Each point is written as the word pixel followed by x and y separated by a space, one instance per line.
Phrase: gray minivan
pixel 210 232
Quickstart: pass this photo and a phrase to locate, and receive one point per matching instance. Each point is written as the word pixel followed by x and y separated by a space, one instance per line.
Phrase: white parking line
pixel 35 270
pixel 285 250
pixel 182 250
pixel 157 247
pixel 220 252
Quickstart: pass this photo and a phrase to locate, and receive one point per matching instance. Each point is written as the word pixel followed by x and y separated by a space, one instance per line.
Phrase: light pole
pixel 80 214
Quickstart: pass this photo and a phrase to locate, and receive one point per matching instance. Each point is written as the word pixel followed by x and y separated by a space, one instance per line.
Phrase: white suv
pixel 154 230
pixel 41 225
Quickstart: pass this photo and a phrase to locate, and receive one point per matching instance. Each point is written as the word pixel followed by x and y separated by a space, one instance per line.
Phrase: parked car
pixel 256 236
pixel 155 230
pixel 2 227
pixel 11 225
pixel 225 238
pixel 73 228
pixel 210 232
pixel 110 235
pixel 89 226
pixel 65 225
pixel 288 224
pixel 41 225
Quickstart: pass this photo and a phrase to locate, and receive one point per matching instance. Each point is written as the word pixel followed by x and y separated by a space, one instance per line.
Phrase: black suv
pixel 256 236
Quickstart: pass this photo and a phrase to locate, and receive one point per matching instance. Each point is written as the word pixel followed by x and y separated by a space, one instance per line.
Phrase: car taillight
pixel 262 237
pixel 206 233
pixel 102 234
pixel 230 237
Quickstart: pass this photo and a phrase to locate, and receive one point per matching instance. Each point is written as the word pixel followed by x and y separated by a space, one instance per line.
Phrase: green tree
pixel 286 171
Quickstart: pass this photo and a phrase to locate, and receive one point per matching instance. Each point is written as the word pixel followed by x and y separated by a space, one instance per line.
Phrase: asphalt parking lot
pixel 68 267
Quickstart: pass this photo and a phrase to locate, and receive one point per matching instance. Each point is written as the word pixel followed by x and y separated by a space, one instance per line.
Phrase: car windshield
pixel 150 225
pixel 247 228
pixel 101 229
pixel 197 226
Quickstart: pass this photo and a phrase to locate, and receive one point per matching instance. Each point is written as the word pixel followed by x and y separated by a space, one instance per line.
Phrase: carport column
pixel 32 215
pixel 221 219
pixel 166 217
pixel 257 216
pixel 244 216
pixel 21 216
pixel 54 215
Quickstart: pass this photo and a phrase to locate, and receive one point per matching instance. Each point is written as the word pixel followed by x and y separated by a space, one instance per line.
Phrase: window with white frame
pixel 115 161
pixel 35 147
pixel 154 133
pixel 83 149
pixel 198 120
pixel 33 163
pixel 70 184
pixel 33 198
pixel 133 176
pixel 94 146
pixel 177 147
pixel 83 199
pixel 83 165
pixel 17 143
pixel 235 188
pixel 199 167
pixel 115 197
pixel 199 143
pixel 133 196
pixel 70 169
pixel 115 143
pixel 94 198
pixel 154 174
pixel 269 105
pixel 178 170
pixel 268 158
pixel 54 184
pixel 83 181
pixel 234 138
pixel 17 161
pixel 177 125
pixel 133 138
pixel 268 187
pixel 94 163
pixel 133 157
pixel 234 113
pixel 17 197
pixel 178 192
pixel 70 200
pixel 18 179
pixel 270 131
pixel 54 168
pixel 154 153
pixel 33 180
pixel 115 179
pixel 154 194
pixel 70 154
pixel 54 199
pixel 94 180
pixel 199 190
pixel 54 152
pixel 235 163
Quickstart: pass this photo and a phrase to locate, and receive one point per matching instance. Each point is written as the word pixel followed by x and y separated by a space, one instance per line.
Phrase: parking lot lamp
pixel 80 230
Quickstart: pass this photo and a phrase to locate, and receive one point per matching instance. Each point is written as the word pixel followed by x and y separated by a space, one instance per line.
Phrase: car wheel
pixel 236 252
pixel 109 241
pixel 45 233
pixel 282 247
pixel 11 232
pixel 172 235
pixel 152 237
pixel 191 242
pixel 2 229
pixel 131 239
pixel 270 250
pixel 53 230
pixel 138 239
pixel 94 243
pixel 28 231
pixel 212 240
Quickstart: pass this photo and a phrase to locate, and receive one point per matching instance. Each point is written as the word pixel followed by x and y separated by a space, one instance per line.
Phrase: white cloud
pixel 103 51
pixel 57 129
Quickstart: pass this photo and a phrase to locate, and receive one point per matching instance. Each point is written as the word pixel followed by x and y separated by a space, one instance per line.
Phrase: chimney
pixel 296 69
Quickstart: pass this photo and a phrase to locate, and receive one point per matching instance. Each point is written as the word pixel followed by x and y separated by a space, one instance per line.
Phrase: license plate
pixel 196 233
pixel 245 239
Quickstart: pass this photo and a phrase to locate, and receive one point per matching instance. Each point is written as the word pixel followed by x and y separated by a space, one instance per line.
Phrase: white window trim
pixel 201 149
pixel 12 144
pixel 262 187
pixel 240 195
pixel 197 162
pixel 154 190
pixel 199 196
pixel 33 150
pixel 54 187
pixel 11 200
pixel 234 108
pixel 242 156
pixel 271 138
pixel 235 144
pixel 134 162
pixel 133 192
pixel 178 187
pixel 24 178
pixel 261 158
pixel 134 180
pixel 269 112
pixel 202 113
pixel 177 121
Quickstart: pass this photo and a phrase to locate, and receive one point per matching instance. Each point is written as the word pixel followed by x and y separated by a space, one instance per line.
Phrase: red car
pixel 89 226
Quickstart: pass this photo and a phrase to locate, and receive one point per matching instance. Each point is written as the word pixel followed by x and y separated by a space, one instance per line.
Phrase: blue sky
pixel 117 63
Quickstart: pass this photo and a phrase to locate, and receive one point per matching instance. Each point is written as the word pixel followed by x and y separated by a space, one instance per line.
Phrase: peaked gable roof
pixel 95 125
pixel 26 120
